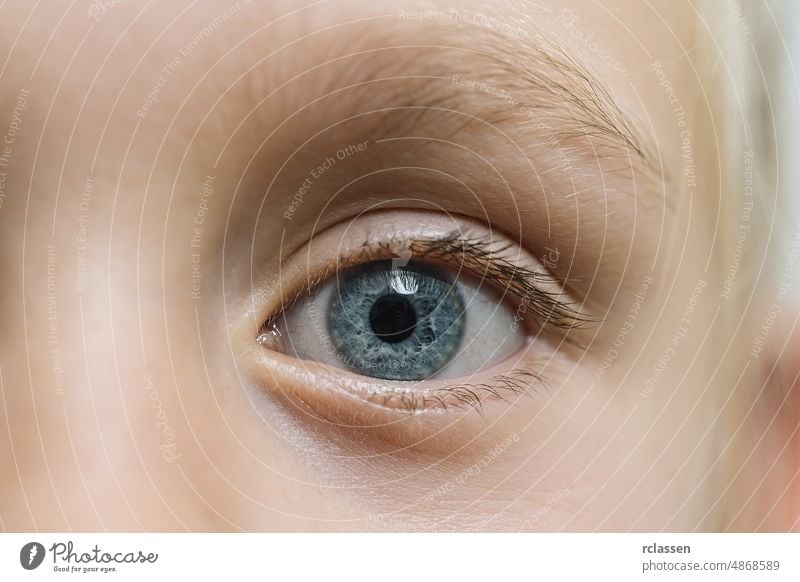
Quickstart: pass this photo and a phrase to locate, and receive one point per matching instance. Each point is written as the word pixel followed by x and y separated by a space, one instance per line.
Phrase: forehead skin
pixel 144 123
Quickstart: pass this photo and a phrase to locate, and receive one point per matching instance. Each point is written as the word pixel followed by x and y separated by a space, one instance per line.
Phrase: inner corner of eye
pixel 270 336
pixel 402 320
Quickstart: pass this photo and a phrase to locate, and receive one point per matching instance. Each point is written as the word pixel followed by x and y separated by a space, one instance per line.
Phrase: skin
pixel 135 401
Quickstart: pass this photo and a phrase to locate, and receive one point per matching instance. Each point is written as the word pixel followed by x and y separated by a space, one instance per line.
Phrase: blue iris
pixel 396 323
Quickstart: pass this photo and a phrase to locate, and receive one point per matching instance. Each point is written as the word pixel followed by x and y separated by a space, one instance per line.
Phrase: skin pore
pixel 185 173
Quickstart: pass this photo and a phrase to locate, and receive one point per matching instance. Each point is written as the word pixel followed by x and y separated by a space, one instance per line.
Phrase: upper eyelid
pixel 457 250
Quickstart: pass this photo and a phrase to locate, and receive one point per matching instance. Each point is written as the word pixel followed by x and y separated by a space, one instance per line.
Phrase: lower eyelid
pixel 342 397
pixel 329 404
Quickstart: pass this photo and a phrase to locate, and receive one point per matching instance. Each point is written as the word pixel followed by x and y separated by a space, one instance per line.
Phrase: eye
pixel 409 322
pixel 412 311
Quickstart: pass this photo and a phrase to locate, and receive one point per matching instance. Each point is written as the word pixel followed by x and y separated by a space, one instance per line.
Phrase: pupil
pixel 392 318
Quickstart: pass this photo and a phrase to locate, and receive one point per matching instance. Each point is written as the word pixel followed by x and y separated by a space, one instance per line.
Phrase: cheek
pixel 528 467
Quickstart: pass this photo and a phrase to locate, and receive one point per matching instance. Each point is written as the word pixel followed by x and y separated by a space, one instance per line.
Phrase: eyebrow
pixel 536 86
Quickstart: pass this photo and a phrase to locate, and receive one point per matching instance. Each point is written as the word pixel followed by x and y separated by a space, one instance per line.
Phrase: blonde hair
pixel 741 62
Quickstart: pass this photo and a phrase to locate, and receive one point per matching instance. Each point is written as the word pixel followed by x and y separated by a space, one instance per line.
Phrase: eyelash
pixel 524 284
pixel 479 258
pixel 520 381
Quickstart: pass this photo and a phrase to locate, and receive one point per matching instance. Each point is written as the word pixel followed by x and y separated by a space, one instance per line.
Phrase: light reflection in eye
pixel 403 284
